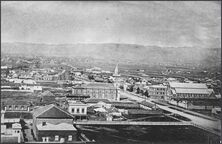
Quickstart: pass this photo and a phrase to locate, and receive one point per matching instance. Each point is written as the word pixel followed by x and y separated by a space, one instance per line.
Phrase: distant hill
pixel 121 52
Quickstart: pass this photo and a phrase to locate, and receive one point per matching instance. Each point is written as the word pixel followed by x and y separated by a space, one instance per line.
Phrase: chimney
pixel 43 123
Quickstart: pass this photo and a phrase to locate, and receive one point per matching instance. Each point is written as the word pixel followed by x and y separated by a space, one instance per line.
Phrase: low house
pixel 62 132
pixel 147 105
pixel 31 88
pixel 102 104
pixel 47 122
pixel 10 130
pixel 11 135
pixel 102 110
pixel 77 109
pixel 16 105
pixel 125 105
pixel 92 101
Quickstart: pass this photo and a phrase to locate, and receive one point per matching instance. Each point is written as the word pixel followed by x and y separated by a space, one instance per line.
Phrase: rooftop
pixel 25 115
pixel 148 104
pixel 158 86
pixel 192 91
pixel 188 85
pixel 96 100
pixel 17 102
pixel 97 85
pixel 16 126
pixel 51 111
pixel 58 127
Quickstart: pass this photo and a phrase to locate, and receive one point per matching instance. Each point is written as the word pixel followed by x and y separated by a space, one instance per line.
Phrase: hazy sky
pixel 177 24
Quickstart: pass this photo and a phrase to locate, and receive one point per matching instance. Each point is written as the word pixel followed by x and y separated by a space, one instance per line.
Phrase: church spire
pixel 116 71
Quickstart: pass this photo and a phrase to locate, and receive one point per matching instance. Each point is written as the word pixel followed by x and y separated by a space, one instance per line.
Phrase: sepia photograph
pixel 111 72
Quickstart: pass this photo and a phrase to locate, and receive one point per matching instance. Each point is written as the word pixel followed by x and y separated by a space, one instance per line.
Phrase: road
pixel 213 126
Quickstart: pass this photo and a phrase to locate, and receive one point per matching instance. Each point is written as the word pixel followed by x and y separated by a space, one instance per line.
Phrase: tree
pixel 37 64
pixel 146 93
pixel 138 90
pixel 131 88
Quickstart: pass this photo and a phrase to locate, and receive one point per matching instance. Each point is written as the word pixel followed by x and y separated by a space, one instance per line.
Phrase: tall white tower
pixel 116 71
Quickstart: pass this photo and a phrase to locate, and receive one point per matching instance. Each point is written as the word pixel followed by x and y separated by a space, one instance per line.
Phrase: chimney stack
pixel 43 123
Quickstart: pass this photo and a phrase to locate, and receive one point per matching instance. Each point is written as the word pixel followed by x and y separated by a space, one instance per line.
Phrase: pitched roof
pixel 100 110
pixel 51 111
pixel 47 93
pixel 192 91
pixel 148 104
pixel 188 85
pixel 96 100
pixel 126 105
pixel 158 86
pixel 16 126
pixel 97 85
pixel 58 127
pixel 16 102
pixel 25 115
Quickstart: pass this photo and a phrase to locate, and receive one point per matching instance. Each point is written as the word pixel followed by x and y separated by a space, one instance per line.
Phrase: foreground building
pixel 10 130
pixel 53 124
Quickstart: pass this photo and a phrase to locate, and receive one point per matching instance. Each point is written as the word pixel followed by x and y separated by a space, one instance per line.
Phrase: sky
pixel 159 23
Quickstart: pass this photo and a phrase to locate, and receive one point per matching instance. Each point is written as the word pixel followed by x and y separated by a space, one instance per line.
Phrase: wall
pixel 80 107
pixel 61 134
pixel 97 93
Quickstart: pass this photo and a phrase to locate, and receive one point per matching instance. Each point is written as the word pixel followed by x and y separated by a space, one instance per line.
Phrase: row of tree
pixel 138 90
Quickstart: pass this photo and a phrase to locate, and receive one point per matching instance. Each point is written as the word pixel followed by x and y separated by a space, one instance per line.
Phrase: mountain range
pixel 119 52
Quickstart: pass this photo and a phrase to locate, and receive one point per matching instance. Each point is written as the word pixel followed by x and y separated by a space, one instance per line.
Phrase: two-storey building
pixel 97 90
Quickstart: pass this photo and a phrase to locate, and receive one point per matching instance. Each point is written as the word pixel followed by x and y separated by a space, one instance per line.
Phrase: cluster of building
pixel 45 124
pixel 193 96
pixel 94 96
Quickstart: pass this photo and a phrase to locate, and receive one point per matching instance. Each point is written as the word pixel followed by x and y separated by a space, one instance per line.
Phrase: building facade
pixel 97 90
pixel 190 95
pixel 51 123
pixel 157 91
pixel 77 109
pixel 16 106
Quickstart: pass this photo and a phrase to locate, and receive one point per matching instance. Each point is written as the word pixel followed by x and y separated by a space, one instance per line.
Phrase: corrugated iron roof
pixel 58 127
pixel 51 111
pixel 188 85
pixel 192 91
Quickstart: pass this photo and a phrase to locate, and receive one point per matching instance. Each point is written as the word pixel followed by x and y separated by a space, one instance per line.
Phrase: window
pixel 16 107
pixel 83 110
pixel 22 107
pixel 70 138
pixel 56 138
pixel 77 110
pixel 73 110
pixel 10 107
pixel 44 139
pixel 47 139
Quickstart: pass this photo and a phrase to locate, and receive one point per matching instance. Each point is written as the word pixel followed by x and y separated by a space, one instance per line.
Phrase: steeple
pixel 116 71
